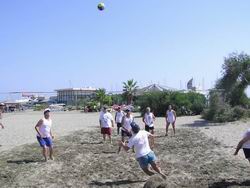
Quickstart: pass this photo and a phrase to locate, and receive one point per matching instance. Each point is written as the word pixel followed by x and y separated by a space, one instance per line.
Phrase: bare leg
pixel 51 153
pixel 104 137
pixel 152 140
pixel 173 125
pixel 110 139
pixel 147 171
pixel 167 128
pixel 157 169
pixel 119 149
pixel 45 154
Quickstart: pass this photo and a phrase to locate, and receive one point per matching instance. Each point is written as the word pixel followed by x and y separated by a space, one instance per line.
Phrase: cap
pixel 105 107
pixel 128 110
pixel 46 110
pixel 135 127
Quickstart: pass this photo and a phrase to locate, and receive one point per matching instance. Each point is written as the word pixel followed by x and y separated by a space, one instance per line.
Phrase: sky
pixel 47 45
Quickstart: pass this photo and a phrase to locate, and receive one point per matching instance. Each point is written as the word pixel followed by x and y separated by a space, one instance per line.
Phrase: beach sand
pixel 200 155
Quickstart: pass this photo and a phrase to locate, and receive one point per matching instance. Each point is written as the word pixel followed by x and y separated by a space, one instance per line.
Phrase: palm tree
pixel 129 89
pixel 100 96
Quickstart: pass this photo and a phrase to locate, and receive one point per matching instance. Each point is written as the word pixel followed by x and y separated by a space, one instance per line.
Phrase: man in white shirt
pixel 44 135
pixel 106 122
pixel 245 145
pixel 118 119
pixel 144 155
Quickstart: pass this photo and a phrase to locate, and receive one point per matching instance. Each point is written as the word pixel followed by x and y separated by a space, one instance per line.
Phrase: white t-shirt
pixel 140 143
pixel 119 116
pixel 170 116
pixel 106 119
pixel 127 123
pixel 45 128
pixel 149 119
pixel 246 144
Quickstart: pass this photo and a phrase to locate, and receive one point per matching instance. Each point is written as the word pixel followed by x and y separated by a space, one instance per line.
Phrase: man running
pixel 118 119
pixel 170 119
pixel 106 122
pixel 245 145
pixel 126 126
pixel 44 135
pixel 144 155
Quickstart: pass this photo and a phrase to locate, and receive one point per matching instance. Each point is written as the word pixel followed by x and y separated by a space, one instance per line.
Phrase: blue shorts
pixel 145 160
pixel 45 141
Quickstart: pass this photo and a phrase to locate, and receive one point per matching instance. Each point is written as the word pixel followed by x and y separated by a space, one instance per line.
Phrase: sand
pixel 200 155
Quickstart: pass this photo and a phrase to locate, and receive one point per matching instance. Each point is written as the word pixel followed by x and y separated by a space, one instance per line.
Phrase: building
pixel 70 96
pixel 153 88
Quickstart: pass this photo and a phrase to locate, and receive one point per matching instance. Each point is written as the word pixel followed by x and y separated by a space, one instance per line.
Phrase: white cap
pixel 46 110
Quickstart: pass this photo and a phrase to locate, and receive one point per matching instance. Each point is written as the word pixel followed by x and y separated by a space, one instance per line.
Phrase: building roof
pixel 154 88
pixel 77 89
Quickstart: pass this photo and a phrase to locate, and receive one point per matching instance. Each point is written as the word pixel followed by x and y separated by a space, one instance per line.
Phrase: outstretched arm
pixel 240 144
pixel 124 146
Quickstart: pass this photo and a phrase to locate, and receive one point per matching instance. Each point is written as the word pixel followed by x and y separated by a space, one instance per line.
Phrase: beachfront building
pixel 70 96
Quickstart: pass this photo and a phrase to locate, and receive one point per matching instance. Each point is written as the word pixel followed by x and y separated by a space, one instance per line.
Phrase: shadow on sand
pixel 121 182
pixel 224 184
pixel 24 161
pixel 199 123
pixel 91 143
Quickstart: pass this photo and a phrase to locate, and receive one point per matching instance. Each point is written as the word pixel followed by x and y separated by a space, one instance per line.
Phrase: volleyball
pixel 101 6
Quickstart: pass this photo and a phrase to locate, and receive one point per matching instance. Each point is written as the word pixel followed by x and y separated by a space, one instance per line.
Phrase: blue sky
pixel 46 45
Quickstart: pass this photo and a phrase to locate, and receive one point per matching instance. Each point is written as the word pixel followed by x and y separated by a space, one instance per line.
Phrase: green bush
pixel 193 103
pixel 219 111
pixel 40 107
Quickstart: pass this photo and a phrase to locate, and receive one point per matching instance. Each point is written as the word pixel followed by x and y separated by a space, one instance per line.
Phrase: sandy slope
pixel 198 156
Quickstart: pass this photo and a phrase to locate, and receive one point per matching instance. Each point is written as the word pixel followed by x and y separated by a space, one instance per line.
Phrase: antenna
pixel 70 84
pixel 203 84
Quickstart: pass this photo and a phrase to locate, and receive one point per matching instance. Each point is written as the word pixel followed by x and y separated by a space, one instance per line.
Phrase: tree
pixel 102 98
pixel 129 89
pixel 235 79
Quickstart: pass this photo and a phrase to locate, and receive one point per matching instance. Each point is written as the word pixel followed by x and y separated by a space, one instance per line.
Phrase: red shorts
pixel 105 130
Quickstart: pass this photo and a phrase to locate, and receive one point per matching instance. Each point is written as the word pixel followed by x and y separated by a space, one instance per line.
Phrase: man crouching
pixel 144 155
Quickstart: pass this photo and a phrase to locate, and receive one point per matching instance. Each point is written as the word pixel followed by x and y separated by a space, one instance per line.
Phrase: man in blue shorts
pixel 144 155
pixel 44 135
